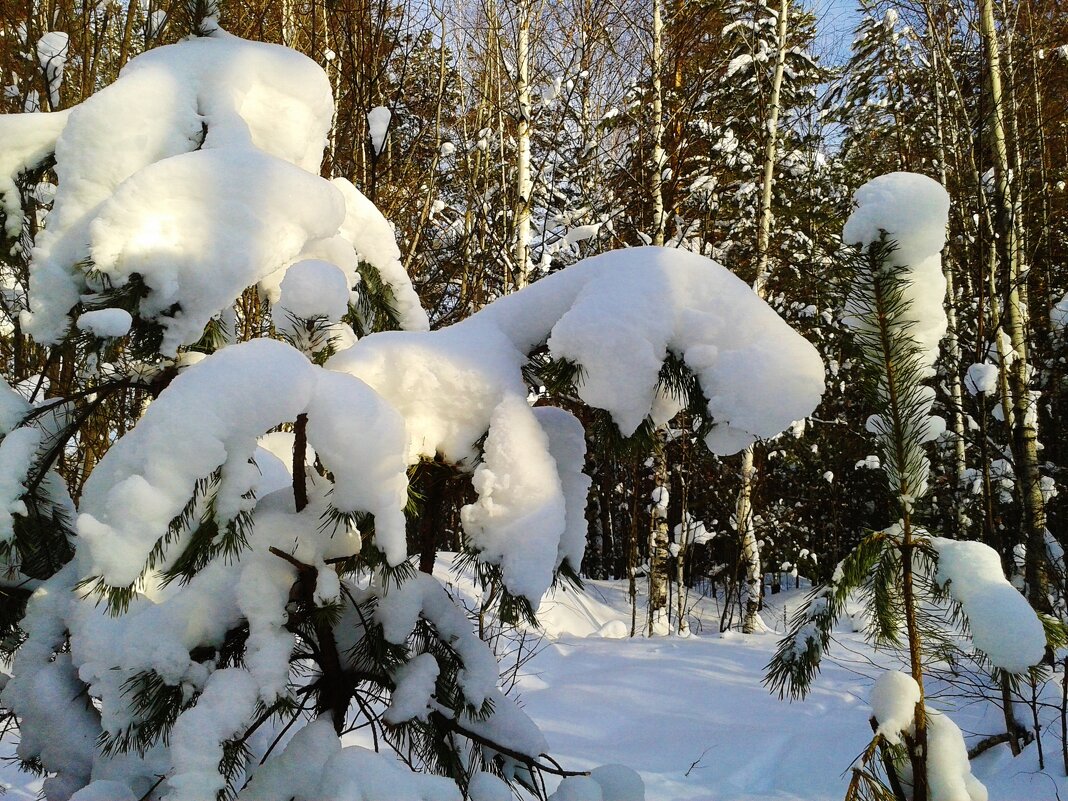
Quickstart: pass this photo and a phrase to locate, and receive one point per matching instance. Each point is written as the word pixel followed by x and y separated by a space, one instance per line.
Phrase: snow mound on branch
pixel 209 418
pixel 893 702
pixel 378 120
pixel 372 236
pixel 912 210
pixel 627 308
pixel 624 308
pixel 28 140
pixel 981 378
pixel 314 288
pixel 245 95
pixel 567 446
pixel 519 518
pixel 1003 624
pixel 198 227
pixel 200 256
pixel 949 773
pixel 106 322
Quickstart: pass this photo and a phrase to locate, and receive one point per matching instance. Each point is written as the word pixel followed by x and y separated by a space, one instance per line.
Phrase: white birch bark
pixel 754 575
pixel 524 185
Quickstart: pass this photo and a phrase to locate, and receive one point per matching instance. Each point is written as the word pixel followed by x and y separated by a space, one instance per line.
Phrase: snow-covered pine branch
pixel 257 576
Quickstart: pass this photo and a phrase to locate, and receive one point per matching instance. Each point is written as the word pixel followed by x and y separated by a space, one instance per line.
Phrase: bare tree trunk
pixel 754 573
pixel 632 555
pixel 524 185
pixel 754 576
pixel 658 540
pixel 1024 428
pixel 656 172
pixel 960 463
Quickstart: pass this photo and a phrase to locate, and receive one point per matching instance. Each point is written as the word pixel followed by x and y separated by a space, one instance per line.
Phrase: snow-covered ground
pixel 691 715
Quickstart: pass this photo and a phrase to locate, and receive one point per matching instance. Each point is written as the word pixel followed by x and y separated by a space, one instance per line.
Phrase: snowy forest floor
pixel 692 716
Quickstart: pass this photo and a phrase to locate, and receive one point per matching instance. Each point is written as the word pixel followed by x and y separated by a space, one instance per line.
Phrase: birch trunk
pixel 754 576
pixel 656 168
pixel 960 463
pixel 754 573
pixel 524 185
pixel 658 541
pixel 1024 428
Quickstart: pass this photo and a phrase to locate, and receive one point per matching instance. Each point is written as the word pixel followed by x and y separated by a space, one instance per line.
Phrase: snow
pixel 949 775
pixel 981 377
pixel 1058 315
pixel 630 701
pixel 200 256
pixel 414 689
pixel 624 307
pixel 227 702
pixel 578 788
pixel 13 407
pixel 17 455
pixel 314 288
pixel 1003 624
pixel 739 742
pixel 567 446
pixel 210 416
pixel 28 140
pixel 487 787
pixel 519 518
pixel 912 210
pixel 52 56
pixel 893 702
pixel 378 120
pixel 619 783
pixel 375 243
pixel 266 111
pixel 106 322
pixel 422 596
pixel 104 790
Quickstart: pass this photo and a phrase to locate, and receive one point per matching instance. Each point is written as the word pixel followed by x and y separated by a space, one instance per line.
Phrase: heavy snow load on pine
pixel 375 243
pixel 133 198
pixel 28 139
pixel 893 702
pixel 1003 624
pixel 259 215
pixel 520 516
pixel 315 766
pixel 209 419
pixel 624 308
pixel 912 210
pixel 628 307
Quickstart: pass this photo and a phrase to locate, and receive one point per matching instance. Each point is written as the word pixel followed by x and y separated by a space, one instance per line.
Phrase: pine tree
pixel 902 571
pixel 235 566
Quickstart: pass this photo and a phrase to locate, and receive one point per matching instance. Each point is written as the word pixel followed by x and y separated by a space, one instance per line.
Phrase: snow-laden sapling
pixel 897 232
pixel 233 593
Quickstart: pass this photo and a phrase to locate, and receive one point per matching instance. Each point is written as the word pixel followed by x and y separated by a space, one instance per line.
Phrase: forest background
pixel 508 139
